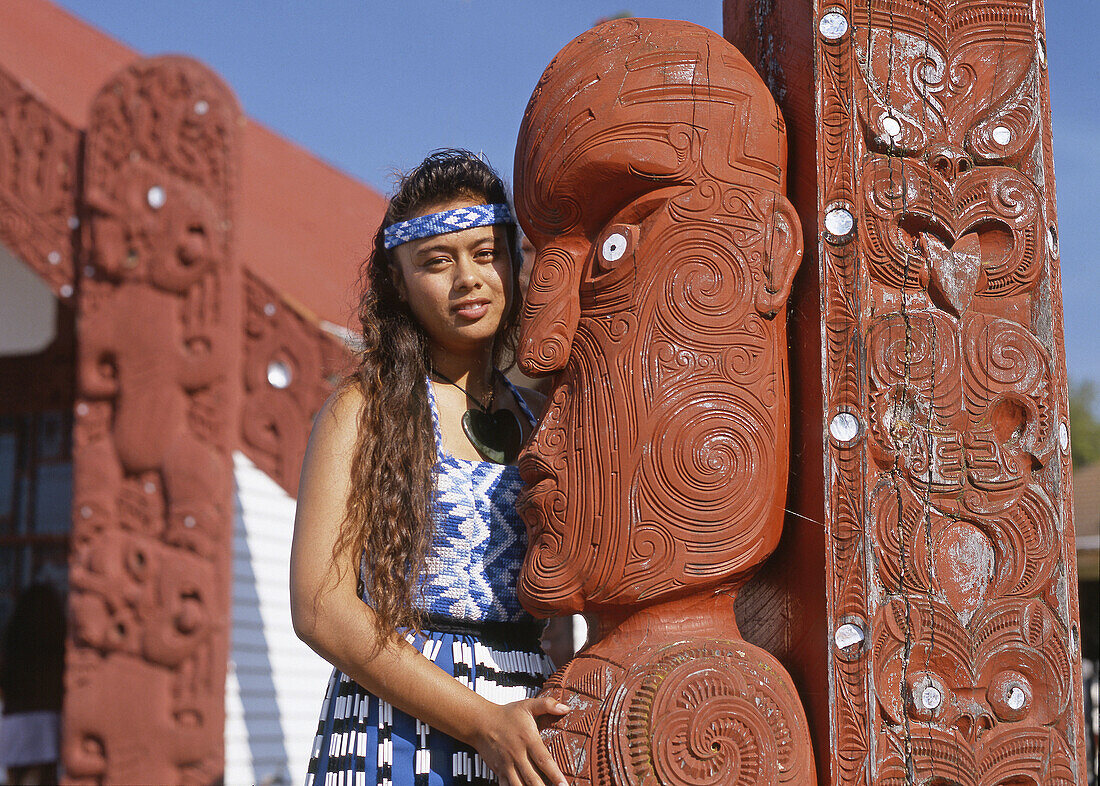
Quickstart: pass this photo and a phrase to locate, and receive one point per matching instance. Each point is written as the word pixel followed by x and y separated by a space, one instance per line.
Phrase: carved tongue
pixel 954 271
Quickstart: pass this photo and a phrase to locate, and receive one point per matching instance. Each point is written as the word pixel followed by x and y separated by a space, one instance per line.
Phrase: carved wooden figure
pixel 159 344
pixel 952 578
pixel 650 178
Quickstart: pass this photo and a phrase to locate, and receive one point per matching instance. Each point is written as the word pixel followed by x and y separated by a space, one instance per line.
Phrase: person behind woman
pixel 406 541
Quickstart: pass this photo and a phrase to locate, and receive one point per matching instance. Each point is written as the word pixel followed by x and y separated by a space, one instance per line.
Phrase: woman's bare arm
pixel 331 619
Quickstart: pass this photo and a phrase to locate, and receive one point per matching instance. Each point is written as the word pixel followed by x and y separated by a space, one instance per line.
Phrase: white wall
pixel 275 683
pixel 28 309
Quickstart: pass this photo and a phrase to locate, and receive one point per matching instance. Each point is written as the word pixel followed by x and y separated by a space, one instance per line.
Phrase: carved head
pixel 952 129
pixel 650 169
pixel 983 696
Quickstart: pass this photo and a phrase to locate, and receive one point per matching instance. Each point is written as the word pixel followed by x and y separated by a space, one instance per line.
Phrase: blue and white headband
pixel 447 221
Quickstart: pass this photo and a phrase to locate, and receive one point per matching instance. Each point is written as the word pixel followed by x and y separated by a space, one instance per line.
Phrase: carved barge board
pixel 290 366
pixel 38 182
pixel 158 395
pixel 948 499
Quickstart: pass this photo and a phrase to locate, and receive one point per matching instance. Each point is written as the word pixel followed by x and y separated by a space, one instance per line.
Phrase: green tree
pixel 1084 426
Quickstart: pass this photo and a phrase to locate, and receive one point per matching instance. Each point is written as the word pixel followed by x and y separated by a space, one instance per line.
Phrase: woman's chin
pixel 472 336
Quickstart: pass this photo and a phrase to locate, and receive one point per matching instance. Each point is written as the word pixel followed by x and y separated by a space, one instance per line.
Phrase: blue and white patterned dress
pixel 476 631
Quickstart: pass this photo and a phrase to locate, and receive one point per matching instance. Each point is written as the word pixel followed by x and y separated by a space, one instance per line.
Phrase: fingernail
pixel 564 708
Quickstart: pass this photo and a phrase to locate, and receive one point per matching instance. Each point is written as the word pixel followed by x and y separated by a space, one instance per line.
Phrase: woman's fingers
pixel 542 706
pixel 530 776
pixel 538 753
pixel 510 777
pixel 541 757
pixel 513 742
pixel 545 705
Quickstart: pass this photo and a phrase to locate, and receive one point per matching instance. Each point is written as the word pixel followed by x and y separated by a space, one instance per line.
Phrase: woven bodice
pixel 477 548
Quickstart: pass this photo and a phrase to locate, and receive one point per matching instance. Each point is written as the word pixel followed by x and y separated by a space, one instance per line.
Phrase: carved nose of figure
pixel 951 162
pixel 972 725
pixel 551 312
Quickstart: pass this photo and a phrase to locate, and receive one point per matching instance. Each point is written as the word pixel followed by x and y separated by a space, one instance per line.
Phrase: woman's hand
pixel 509 742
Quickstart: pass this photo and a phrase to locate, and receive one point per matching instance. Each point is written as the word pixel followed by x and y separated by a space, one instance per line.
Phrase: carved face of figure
pixel 978 699
pixel 945 196
pixel 649 178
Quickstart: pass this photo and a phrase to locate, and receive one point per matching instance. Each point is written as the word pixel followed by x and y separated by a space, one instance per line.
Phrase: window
pixel 36 473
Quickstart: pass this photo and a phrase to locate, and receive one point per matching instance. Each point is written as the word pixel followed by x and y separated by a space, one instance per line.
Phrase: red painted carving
pixel 650 178
pixel 157 395
pixel 952 586
pixel 290 367
pixel 38 154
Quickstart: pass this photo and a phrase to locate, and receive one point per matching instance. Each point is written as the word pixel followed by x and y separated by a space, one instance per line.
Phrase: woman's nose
pixel 466 276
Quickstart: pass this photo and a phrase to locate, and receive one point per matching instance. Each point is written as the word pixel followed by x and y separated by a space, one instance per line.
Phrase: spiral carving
pixel 706 450
pixel 709 715
pixel 919 349
pixel 547 576
pixel 703 284
pixel 1002 352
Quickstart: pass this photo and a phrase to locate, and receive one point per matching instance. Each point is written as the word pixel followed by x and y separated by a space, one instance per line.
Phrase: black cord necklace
pixel 496 435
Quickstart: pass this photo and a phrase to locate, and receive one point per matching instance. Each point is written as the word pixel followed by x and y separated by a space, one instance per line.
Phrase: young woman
pixel 406 541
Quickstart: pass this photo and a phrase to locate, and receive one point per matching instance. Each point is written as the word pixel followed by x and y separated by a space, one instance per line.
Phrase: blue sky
pixel 370 86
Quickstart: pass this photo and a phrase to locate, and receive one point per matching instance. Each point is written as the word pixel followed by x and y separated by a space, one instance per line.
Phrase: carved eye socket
pixel 617 242
pixel 891 126
pixel 889 131
pixel 1010 695
pixel 927 698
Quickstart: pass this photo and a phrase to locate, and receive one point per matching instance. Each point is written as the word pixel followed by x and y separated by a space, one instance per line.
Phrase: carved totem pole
pixel 952 583
pixel 159 336
pixel 650 178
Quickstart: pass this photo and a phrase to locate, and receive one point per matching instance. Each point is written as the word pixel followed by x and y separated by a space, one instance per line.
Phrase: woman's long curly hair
pixel 389 512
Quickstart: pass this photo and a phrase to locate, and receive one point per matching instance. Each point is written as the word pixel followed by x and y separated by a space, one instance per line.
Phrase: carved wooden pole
pixel 159 336
pixel 952 585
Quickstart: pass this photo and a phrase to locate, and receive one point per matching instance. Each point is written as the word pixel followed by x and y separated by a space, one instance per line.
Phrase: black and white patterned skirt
pixel 364 741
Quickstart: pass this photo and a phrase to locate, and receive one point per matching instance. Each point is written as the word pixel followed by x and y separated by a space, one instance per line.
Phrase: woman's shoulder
pixel 338 418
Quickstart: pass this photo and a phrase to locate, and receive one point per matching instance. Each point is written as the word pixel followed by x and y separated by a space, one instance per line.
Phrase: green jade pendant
pixel 496 435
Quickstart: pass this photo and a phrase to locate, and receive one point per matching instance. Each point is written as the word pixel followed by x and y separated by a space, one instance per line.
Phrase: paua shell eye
pixel 613 248
pixel 1010 695
pixel 927 698
pixel 616 243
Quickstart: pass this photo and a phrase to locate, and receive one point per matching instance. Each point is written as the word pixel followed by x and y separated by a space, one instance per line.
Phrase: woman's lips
pixel 472 310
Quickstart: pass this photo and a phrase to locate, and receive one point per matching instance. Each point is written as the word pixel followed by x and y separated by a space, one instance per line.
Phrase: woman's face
pixel 458 285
